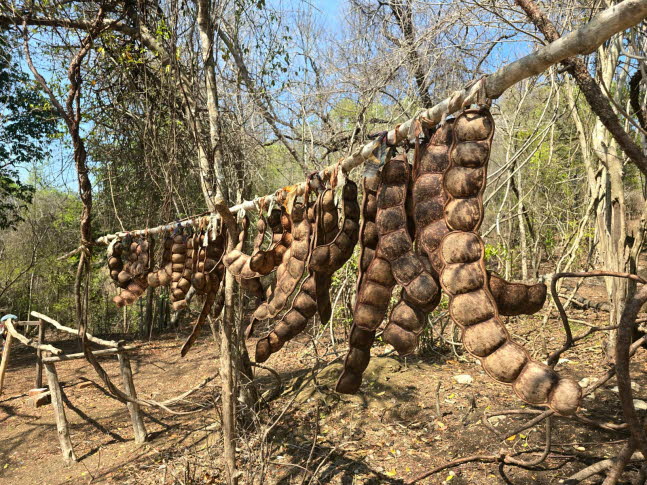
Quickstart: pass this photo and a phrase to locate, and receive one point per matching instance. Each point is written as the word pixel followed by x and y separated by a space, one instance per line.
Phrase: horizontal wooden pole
pixel 582 40
pixel 63 328
pixel 27 323
pixel 81 355
pixel 28 341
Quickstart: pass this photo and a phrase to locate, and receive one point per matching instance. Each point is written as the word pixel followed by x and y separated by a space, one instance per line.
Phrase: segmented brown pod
pixel 516 298
pixel 178 259
pixel 132 292
pixel 162 277
pixel 291 270
pixel 464 278
pixel 428 194
pixel 420 291
pixel 115 263
pixel 326 224
pixel 213 281
pixel 384 236
pixel 264 261
pixel 325 259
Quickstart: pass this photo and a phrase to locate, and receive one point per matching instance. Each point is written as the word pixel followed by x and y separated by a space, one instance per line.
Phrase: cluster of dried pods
pixel 446 208
pixel 418 230
pixel 187 260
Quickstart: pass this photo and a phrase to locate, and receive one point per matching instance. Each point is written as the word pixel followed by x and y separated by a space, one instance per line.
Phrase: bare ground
pixel 389 432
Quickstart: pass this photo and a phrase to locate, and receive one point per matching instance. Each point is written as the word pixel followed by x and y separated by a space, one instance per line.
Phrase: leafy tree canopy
pixel 26 126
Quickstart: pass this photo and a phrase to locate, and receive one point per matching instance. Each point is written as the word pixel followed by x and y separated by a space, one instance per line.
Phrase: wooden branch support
pixel 81 355
pixel 133 408
pixel 62 427
pixel 39 355
pixel 73 331
pixel 30 342
pixel 5 359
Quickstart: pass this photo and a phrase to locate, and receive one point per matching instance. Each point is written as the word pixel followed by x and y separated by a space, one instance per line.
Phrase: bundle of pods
pixel 332 245
pixel 449 177
pixel 418 230
pixel 129 261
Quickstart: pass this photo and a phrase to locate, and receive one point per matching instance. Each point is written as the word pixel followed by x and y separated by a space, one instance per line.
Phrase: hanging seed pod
pixel 471 304
pixel 516 298
pixel 290 272
pixel 265 261
pixel 178 260
pixel 420 291
pixel 115 264
pixel 162 277
pixel 375 283
pixel 324 260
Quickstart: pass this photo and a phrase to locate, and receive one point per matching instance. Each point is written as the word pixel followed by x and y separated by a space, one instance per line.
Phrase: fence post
pixel 133 408
pixel 59 413
pixel 39 355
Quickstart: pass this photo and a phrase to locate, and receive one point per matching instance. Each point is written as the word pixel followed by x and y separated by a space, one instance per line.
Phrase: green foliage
pixel 26 124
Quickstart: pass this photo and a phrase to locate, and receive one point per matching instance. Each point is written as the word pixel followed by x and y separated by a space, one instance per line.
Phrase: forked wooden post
pixel 39 355
pixel 133 408
pixel 59 413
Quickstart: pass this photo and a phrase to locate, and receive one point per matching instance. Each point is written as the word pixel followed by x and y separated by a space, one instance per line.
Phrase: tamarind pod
pixel 420 289
pixel 119 301
pixel 326 229
pixel 516 298
pixel 303 308
pixel 361 340
pixel 428 193
pixel 153 279
pixel 334 246
pixel 179 247
pixel 376 284
pixel 124 277
pixel 263 261
pixel 464 277
pixel 329 257
pixel 426 210
pixel 294 262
